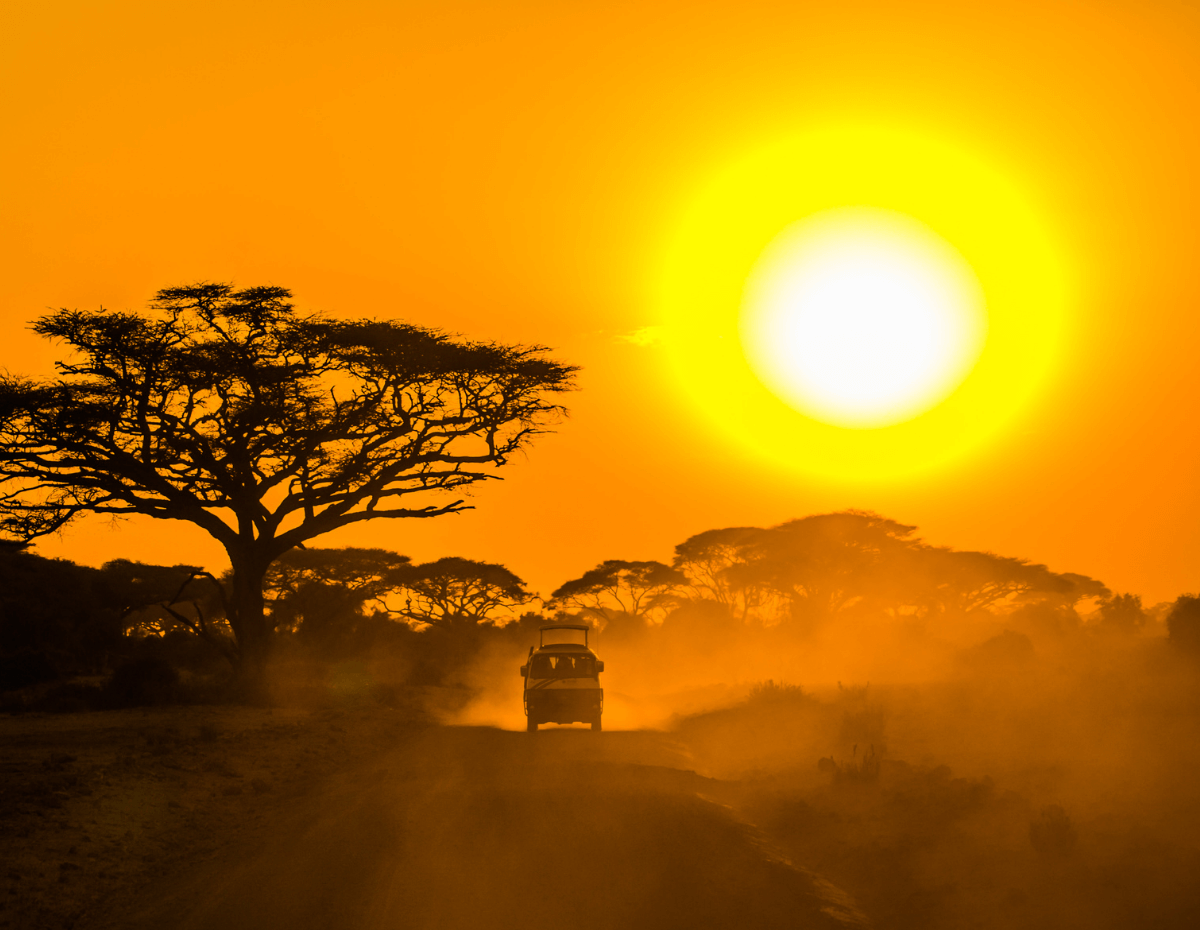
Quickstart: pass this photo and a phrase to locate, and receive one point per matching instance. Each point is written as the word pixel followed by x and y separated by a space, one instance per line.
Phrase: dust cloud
pixel 824 723
pixel 1029 761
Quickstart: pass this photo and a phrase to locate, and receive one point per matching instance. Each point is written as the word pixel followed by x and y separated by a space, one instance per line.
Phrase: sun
pixel 862 317
pixel 862 303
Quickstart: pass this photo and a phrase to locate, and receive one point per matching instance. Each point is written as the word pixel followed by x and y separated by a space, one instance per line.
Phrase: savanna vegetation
pixel 729 598
pixel 1019 756
pixel 263 426
pixel 960 738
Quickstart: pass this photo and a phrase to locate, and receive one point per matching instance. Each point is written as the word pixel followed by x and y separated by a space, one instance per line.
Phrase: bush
pixel 1052 834
pixel 856 771
pixel 142 682
pixel 71 697
pixel 1001 653
pixel 22 669
pixel 768 692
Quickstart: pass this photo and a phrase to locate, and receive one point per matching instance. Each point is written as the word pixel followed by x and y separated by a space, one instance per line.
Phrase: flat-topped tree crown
pixel 266 427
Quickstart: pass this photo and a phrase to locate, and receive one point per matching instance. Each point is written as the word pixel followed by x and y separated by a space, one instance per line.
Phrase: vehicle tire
pixel 531 725
pixel 596 722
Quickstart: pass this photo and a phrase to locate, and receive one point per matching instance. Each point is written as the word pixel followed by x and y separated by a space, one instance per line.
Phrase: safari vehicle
pixel 562 678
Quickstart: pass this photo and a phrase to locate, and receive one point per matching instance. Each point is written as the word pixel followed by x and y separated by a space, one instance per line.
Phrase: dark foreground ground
pixel 773 813
pixel 232 818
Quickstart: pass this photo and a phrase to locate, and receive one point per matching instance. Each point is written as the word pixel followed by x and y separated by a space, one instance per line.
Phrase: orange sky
pixel 513 170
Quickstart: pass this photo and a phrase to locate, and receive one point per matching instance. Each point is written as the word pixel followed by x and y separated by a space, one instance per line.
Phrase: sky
pixel 519 172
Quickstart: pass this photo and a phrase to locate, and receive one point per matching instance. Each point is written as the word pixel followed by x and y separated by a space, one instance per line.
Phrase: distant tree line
pixel 58 619
pixel 805 571
pixel 267 428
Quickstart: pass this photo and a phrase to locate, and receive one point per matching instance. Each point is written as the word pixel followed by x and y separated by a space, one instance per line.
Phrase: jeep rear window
pixel 544 666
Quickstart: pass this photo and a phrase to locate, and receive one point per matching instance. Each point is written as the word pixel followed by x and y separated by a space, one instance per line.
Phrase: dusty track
pixel 481 828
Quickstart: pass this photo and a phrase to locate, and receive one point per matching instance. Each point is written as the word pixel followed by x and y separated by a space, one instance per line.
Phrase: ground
pixel 242 817
pixel 93 806
pixel 786 809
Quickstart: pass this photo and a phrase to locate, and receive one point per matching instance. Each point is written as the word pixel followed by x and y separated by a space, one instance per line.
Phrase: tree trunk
pixel 250 625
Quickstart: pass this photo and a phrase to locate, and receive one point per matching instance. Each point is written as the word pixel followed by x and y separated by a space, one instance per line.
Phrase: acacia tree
pixel 822 564
pixel 266 428
pixel 966 581
pixel 712 562
pixel 618 587
pixel 310 590
pixel 454 588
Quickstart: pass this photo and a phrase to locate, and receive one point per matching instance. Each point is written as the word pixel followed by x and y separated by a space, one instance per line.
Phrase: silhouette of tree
pixel 820 565
pixel 1058 610
pixel 1081 587
pixel 65 618
pixel 156 599
pixel 966 581
pixel 313 591
pixel 54 619
pixel 635 588
pixel 320 591
pixel 1183 623
pixel 264 427
pixel 1122 613
pixel 459 589
pixel 827 563
pixel 709 561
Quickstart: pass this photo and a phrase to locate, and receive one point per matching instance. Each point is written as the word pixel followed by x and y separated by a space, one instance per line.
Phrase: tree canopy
pixel 823 565
pixel 312 591
pixel 455 588
pixel 616 586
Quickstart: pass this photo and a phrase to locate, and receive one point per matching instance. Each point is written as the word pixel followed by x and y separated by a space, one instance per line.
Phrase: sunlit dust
pixel 966 339
pixel 862 318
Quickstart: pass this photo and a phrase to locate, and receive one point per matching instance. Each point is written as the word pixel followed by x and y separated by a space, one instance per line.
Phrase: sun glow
pixel 862 318
pixel 948 293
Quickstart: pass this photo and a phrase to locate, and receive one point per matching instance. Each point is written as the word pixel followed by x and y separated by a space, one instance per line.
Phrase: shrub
pixel 768 692
pixel 1052 834
pixel 854 772
pixel 1183 623
pixel 22 669
pixel 142 682
pixel 70 697
pixel 1005 654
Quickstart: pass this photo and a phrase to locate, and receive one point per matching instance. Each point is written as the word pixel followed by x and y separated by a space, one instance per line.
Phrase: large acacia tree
pixel 265 427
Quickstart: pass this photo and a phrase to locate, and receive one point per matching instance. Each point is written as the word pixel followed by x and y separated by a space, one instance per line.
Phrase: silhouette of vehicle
pixel 562 678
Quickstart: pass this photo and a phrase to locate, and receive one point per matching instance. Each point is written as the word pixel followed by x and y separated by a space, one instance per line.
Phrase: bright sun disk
pixel 862 317
pixel 863 303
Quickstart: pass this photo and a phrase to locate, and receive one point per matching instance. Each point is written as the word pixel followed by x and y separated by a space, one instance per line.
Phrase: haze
pixel 937 668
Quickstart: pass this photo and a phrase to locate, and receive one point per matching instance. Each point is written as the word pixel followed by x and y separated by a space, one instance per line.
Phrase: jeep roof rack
pixel 562 626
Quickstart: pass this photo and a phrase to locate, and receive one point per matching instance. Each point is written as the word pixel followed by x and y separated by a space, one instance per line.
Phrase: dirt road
pixel 482 828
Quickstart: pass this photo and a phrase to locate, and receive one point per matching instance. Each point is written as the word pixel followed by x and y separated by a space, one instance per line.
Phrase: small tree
pixel 264 427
